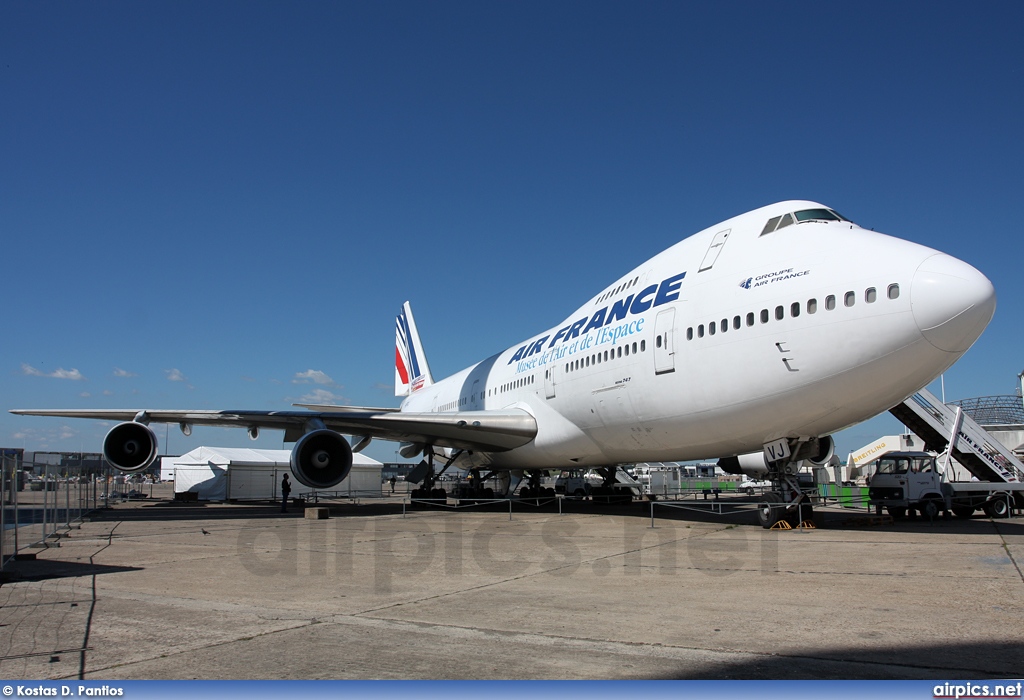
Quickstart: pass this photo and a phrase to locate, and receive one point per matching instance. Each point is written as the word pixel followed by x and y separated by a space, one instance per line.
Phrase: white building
pixel 237 473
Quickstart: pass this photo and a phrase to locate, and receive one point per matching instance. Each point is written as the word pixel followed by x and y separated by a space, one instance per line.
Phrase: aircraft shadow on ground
pixel 946 660
pixel 47 569
pixel 737 512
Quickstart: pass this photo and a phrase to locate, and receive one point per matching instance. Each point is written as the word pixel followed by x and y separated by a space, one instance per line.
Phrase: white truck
pixel 904 482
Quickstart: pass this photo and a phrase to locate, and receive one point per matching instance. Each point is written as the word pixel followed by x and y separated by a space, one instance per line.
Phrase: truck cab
pixel 903 479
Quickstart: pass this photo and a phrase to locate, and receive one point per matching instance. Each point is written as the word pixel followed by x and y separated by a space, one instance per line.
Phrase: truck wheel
pixel 963 511
pixel 930 508
pixel 897 512
pixel 768 512
pixel 997 508
pixel 578 494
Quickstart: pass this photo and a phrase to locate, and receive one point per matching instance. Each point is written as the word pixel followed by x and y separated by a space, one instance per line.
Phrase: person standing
pixel 286 488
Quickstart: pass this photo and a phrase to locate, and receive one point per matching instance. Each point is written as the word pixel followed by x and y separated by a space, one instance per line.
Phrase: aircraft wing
pixel 485 431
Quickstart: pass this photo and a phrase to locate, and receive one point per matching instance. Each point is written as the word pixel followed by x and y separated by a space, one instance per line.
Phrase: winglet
pixel 411 370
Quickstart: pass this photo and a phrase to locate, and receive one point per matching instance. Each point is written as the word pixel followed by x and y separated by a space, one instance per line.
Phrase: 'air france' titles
pixel 649 297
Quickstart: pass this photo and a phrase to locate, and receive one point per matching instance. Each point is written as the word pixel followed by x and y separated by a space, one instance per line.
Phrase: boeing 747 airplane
pixel 767 332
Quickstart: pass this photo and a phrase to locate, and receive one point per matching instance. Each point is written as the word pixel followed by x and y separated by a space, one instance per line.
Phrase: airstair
pixel 945 427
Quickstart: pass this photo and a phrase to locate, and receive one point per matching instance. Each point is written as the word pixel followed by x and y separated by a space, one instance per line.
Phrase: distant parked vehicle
pixel 750 486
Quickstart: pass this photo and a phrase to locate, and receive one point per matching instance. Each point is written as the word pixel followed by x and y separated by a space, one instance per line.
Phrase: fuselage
pixel 787 321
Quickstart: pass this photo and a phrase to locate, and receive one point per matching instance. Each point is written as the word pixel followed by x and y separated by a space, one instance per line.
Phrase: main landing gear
pixel 533 489
pixel 428 490
pixel 790 501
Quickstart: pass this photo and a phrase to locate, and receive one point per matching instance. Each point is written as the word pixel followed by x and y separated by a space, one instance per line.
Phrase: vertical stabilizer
pixel 411 370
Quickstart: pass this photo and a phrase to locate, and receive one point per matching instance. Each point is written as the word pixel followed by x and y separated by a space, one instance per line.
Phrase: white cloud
pixel 175 375
pixel 85 394
pixel 313 376
pixel 320 396
pixel 66 433
pixel 118 372
pixel 59 373
pixel 108 392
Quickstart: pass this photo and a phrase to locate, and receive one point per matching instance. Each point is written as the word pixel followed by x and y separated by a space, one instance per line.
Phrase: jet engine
pixel 821 452
pixel 816 452
pixel 130 447
pixel 321 459
pixel 752 464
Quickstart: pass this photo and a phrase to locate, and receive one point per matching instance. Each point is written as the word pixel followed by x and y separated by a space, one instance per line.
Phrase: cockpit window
pixel 777 222
pixel 816 215
pixel 770 226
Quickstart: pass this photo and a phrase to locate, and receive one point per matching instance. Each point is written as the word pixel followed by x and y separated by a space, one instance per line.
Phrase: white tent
pixel 229 473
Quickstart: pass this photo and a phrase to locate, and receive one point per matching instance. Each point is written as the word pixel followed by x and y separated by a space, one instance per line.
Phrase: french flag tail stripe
pixel 411 371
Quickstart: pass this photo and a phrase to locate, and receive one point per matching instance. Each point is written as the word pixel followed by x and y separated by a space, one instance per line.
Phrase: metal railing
pixel 41 502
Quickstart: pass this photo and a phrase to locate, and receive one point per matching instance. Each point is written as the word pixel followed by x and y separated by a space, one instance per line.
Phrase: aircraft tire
pixel 768 512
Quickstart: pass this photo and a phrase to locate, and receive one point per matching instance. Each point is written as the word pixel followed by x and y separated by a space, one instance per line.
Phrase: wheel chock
pixel 781 525
pixel 807 525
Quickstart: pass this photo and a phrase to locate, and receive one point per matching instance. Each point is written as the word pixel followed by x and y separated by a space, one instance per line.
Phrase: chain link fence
pixel 45 495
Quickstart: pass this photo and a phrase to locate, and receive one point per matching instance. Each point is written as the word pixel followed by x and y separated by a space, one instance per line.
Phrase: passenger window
pixel 735 323
pixel 794 309
pixel 700 331
pixel 894 291
pixel 634 347
pixel 750 318
pixel 780 313
pixel 764 315
pixel 870 295
pixel 643 346
pixel 830 302
pixel 620 351
pixel 812 306
pixel 711 328
pixel 850 299
pixel 725 325
pixel 657 341
pixel 627 350
pixel 689 335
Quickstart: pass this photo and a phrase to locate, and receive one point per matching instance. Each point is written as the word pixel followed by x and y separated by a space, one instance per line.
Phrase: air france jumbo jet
pixel 767 332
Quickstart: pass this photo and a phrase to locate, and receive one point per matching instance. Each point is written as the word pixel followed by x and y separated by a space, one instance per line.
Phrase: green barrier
pixel 848 496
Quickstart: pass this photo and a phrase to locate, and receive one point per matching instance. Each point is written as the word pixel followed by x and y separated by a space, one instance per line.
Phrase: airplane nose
pixel 952 302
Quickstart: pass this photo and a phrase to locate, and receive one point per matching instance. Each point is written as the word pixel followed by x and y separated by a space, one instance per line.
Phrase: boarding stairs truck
pixel 906 481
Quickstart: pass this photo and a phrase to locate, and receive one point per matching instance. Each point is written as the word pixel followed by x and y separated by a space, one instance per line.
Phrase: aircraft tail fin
pixel 411 370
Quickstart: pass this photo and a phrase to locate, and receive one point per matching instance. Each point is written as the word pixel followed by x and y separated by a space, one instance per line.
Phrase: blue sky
pixel 224 204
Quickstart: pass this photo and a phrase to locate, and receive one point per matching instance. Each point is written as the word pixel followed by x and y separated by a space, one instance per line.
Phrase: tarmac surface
pixel 157 590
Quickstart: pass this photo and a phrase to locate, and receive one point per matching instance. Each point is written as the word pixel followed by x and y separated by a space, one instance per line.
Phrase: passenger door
pixel 664 345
